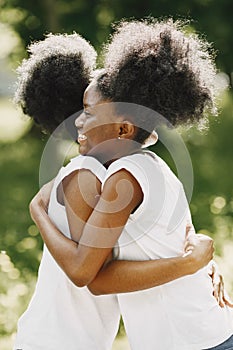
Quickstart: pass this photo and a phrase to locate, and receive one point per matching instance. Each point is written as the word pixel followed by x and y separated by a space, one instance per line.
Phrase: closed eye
pixel 86 112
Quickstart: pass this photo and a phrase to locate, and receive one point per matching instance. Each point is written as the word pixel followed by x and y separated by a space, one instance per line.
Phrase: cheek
pixel 99 132
pixel 107 134
pixel 110 130
pixel 94 136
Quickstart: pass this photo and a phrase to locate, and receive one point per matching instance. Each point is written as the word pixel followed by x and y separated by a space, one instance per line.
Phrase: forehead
pixel 103 107
pixel 92 95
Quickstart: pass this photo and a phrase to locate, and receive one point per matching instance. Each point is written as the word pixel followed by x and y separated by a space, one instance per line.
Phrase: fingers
pixel 206 243
pixel 45 193
pixel 209 241
pixel 219 291
pixel 212 252
pixel 188 246
pixel 203 237
pixel 192 240
pixel 227 301
pixel 188 228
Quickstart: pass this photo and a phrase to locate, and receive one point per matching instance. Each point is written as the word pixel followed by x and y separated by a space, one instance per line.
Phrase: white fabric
pixel 60 315
pixel 179 315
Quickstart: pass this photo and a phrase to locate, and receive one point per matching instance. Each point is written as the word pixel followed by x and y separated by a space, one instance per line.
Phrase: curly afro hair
pixel 159 65
pixel 52 80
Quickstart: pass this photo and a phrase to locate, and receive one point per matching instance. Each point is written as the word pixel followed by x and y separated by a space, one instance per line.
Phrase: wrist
pixel 191 263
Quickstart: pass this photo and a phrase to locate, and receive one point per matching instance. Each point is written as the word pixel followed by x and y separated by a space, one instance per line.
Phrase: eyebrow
pixel 87 105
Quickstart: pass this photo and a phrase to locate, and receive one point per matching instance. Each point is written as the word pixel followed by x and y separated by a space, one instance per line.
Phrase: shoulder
pixel 121 183
pixel 87 163
pixel 140 167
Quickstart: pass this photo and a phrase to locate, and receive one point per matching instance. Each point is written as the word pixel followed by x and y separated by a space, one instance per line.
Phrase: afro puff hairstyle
pixel 51 82
pixel 159 65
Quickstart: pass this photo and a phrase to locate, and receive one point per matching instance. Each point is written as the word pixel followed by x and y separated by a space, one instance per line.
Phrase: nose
pixel 80 121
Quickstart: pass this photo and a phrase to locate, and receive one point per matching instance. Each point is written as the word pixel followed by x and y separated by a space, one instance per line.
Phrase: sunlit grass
pixel 15 292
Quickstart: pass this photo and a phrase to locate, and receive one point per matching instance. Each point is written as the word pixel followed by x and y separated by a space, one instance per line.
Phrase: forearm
pixel 117 276
pixel 63 249
pixel 83 263
pixel 121 276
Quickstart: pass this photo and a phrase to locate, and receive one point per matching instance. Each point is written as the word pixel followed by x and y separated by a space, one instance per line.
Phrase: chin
pixel 82 150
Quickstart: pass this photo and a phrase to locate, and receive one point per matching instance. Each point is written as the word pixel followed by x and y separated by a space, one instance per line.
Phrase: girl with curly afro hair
pixel 159 66
pixel 148 66
pixel 51 82
pixel 50 86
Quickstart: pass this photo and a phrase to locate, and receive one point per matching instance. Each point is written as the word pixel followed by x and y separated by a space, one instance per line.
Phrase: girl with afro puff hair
pixel 50 87
pixel 138 192
pixel 51 83
pixel 52 80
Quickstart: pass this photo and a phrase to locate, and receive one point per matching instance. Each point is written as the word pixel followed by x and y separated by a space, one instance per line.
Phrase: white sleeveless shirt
pixel 60 315
pixel 182 314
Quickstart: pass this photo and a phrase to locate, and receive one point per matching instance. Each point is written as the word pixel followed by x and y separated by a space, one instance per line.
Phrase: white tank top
pixel 179 315
pixel 60 315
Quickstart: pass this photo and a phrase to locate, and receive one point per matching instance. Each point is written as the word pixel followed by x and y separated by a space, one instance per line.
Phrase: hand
pixel 218 285
pixel 41 200
pixel 200 249
pixel 45 193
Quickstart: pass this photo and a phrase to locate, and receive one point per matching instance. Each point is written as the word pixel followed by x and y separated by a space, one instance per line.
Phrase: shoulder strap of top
pixel 147 171
pixel 77 163
pixel 81 162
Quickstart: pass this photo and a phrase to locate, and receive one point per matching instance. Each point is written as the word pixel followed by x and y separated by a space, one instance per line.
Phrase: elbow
pixel 80 274
pixel 99 287
pixel 94 290
pixel 79 282
pixel 80 279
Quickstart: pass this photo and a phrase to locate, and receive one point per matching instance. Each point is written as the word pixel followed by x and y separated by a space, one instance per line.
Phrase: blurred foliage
pixel 211 154
pixel 19 164
pixel 20 242
pixel 210 151
pixel 93 19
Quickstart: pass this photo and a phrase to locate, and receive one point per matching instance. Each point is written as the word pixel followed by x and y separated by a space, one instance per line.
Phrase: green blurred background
pixel 21 144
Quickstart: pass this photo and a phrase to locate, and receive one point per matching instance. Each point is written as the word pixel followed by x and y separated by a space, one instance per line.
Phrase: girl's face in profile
pixel 98 126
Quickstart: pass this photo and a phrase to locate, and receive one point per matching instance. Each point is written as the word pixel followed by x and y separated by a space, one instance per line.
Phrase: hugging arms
pixel 85 264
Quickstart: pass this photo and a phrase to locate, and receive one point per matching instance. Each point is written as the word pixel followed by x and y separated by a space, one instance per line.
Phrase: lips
pixel 82 138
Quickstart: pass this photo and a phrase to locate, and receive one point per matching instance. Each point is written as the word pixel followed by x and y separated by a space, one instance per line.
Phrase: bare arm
pixel 86 267
pixel 129 276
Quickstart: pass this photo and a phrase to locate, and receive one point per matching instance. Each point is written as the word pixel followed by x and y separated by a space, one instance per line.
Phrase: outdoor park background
pixel 21 144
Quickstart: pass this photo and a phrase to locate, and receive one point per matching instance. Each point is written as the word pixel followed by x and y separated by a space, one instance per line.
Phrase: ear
pixel 127 130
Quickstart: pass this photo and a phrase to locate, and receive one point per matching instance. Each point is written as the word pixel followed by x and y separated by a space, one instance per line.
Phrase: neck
pixel 107 158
